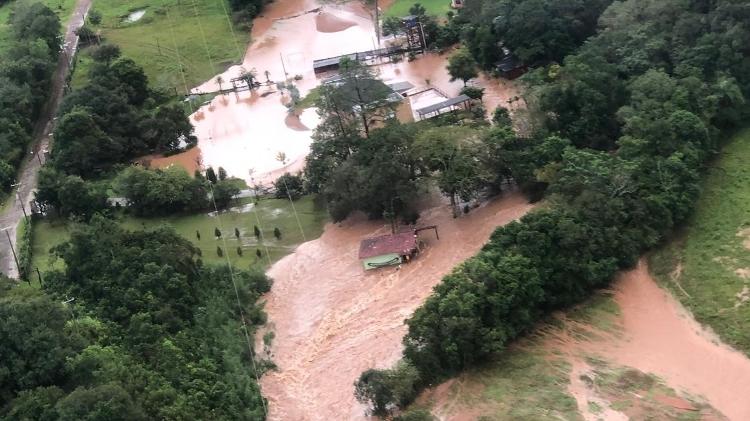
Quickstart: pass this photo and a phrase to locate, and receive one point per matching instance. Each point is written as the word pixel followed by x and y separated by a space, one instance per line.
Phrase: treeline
pixel 26 67
pixel 243 11
pixel 536 31
pixel 147 192
pixel 363 159
pixel 133 328
pixel 106 124
pixel 643 104
pixel 116 118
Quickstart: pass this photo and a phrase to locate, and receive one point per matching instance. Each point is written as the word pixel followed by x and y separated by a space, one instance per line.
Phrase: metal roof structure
pixel 444 104
pixel 401 87
pixel 402 244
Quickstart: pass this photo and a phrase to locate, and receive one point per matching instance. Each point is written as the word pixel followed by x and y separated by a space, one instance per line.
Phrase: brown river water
pixel 662 338
pixel 332 320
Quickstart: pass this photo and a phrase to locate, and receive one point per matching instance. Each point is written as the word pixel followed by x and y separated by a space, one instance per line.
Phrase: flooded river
pixel 332 320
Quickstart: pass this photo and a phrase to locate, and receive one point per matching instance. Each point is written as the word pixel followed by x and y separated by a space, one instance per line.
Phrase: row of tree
pixel 27 62
pixel 643 103
pixel 133 328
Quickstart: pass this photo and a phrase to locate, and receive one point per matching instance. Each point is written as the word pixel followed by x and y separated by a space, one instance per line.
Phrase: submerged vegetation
pixel 637 120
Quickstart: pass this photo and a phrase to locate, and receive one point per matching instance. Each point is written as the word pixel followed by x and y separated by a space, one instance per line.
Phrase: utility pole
pixel 286 76
pixel 13 250
pixel 20 202
pixel 377 22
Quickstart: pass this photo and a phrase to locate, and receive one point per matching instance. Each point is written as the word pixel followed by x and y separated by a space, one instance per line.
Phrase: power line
pixel 239 303
pixel 179 60
pixel 231 29
pixel 203 35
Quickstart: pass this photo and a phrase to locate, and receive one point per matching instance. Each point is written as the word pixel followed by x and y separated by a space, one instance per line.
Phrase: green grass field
pixel 401 8
pixel 194 33
pixel 707 266
pixel 63 9
pixel 272 213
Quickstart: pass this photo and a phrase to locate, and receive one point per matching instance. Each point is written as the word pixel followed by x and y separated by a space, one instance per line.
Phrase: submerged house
pixel 378 100
pixel 387 250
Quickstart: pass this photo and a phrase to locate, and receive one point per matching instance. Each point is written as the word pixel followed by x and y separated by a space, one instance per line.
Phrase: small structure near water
pixel 387 250
pixel 391 249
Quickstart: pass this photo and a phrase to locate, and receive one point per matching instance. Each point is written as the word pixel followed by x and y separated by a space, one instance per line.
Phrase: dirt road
pixel 12 214
pixel 332 320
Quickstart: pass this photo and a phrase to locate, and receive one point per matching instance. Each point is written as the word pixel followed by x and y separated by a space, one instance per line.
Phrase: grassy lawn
pixel 63 9
pixel 173 32
pixel 401 8
pixel 707 266
pixel 273 213
pixel 80 74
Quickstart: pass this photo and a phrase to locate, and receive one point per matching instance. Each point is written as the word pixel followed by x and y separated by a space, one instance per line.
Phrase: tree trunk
pixel 453 205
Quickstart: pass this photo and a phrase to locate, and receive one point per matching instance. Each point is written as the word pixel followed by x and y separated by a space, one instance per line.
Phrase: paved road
pixel 12 214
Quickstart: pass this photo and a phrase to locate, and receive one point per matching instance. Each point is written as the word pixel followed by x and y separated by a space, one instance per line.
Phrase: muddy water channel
pixel 661 337
pixel 332 320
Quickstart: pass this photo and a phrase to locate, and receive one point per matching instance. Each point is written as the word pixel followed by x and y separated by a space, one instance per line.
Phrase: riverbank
pixel 707 265
pixel 331 319
pixel 624 354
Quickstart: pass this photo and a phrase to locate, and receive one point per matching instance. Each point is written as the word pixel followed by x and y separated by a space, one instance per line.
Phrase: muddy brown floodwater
pixel 245 133
pixel 332 320
pixel 661 337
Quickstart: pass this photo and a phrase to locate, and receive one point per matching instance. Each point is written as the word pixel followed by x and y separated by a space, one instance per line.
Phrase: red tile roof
pixel 403 243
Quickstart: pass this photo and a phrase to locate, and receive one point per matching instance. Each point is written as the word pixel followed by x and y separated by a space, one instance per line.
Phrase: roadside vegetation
pixel 26 66
pixel 62 8
pixel 622 129
pixel 179 44
pixel 707 264
pixel 134 327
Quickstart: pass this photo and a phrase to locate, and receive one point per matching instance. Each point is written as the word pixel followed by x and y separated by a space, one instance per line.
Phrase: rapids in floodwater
pixel 331 320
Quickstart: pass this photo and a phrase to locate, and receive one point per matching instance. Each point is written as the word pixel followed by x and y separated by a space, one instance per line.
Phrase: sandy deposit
pixel 332 320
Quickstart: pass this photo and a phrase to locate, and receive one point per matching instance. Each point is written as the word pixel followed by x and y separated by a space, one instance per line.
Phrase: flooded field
pixel 332 320
pixel 252 135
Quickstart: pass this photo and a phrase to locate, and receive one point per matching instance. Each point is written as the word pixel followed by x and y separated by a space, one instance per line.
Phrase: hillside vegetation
pixel 708 265
pixel 639 109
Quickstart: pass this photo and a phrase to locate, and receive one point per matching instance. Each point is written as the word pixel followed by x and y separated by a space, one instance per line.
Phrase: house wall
pixel 379 260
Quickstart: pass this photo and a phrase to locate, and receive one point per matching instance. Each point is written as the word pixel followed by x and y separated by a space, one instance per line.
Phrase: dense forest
pixel 26 67
pixel 636 112
pixel 134 327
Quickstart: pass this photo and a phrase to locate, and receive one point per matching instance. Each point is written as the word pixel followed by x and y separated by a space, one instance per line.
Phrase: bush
pixel 473 92
pixel 289 186
pixel 385 390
